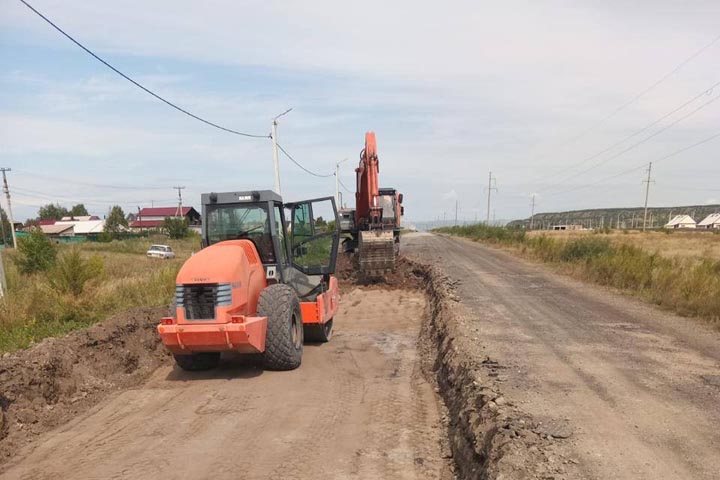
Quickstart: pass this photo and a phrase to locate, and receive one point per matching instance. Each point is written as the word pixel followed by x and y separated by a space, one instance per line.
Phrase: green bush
pixel 584 248
pixel 72 272
pixel 36 252
pixel 176 227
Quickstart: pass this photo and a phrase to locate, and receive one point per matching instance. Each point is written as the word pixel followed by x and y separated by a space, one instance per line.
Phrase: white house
pixel 58 230
pixel 681 221
pixel 710 222
pixel 86 227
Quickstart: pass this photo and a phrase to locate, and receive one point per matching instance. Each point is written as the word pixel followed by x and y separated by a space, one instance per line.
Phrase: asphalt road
pixel 358 407
pixel 638 388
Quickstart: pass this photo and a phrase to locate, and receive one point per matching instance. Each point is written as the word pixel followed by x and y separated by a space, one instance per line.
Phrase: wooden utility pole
pixel 647 194
pixel 532 212
pixel 179 209
pixel 456 210
pixel 490 189
pixel 10 214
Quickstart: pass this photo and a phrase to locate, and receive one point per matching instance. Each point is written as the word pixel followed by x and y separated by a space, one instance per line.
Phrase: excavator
pixel 373 227
pixel 262 284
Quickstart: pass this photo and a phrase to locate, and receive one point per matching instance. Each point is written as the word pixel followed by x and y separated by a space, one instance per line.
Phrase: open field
pixel 34 308
pixel 675 244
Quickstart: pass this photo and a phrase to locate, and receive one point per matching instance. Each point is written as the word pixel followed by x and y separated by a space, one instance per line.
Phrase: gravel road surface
pixel 637 389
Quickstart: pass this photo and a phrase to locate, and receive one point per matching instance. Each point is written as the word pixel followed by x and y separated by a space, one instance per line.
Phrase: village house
pixel 681 221
pixel 710 222
pixel 152 218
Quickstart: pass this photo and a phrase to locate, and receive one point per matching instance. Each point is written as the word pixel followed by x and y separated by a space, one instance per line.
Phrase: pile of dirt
pixel 48 384
pixel 490 437
pixel 406 276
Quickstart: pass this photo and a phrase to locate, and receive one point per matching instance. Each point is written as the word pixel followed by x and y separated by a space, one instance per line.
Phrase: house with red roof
pixel 151 218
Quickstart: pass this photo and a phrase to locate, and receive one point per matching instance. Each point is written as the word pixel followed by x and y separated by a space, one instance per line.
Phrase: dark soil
pixel 406 276
pixel 47 384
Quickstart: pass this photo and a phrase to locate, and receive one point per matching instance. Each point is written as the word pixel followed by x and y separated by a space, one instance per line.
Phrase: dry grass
pixel 693 245
pixel 33 309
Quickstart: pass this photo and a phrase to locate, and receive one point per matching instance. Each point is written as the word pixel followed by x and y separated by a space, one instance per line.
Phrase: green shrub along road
pixel 54 289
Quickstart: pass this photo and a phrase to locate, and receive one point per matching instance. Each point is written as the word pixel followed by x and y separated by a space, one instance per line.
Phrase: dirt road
pixel 359 407
pixel 638 388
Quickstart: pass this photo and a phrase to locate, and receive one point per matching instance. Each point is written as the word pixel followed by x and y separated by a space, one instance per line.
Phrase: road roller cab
pixel 262 283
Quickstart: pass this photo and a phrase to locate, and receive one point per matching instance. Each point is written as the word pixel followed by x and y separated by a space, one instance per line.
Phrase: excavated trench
pixel 487 436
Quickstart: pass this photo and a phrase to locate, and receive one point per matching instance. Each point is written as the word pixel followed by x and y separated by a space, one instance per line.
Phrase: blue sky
pixel 452 89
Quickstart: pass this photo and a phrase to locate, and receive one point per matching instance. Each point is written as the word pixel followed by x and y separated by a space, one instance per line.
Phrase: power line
pixel 299 165
pixel 647 90
pixel 625 150
pixel 88 184
pixel 645 128
pixel 44 195
pixel 638 167
pixel 343 185
pixel 137 84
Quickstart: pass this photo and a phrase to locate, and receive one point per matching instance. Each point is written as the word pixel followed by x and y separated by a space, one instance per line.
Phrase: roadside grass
pixel 678 272
pixel 52 303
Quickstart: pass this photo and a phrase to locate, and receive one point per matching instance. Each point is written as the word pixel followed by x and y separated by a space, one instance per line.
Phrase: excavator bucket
pixel 377 252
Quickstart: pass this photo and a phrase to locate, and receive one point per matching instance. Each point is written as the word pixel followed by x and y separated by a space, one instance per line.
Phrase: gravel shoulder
pixel 636 391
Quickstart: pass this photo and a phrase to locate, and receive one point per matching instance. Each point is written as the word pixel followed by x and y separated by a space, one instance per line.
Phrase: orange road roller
pixel 262 284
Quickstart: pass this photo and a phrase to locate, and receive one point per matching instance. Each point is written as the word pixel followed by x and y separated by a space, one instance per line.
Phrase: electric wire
pixel 636 144
pixel 706 91
pixel 647 90
pixel 27 193
pixel 299 165
pixel 137 84
pixel 88 184
pixel 343 186
pixel 162 99
pixel 638 167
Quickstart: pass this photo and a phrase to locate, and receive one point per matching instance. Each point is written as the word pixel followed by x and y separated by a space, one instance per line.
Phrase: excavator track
pixel 376 252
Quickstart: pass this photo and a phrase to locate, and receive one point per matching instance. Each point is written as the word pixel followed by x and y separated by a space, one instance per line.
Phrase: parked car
pixel 161 251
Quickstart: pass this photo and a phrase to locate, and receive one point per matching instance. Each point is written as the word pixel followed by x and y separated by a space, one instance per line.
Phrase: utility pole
pixel 179 209
pixel 532 213
pixel 647 194
pixel 276 161
pixel 490 189
pixel 337 182
pixel 10 214
pixel 456 210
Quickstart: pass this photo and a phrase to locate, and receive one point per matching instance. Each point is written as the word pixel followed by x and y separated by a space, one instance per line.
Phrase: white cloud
pixel 453 90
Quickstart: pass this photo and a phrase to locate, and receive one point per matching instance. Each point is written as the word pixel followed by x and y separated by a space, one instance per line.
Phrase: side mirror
pixel 400 198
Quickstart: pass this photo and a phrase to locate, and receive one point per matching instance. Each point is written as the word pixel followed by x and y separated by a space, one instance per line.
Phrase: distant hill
pixel 616 217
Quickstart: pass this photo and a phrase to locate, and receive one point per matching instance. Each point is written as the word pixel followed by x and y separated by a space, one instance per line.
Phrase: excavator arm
pixel 376 243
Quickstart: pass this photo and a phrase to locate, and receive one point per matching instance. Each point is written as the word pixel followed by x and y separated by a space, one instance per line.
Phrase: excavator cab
pixel 262 283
